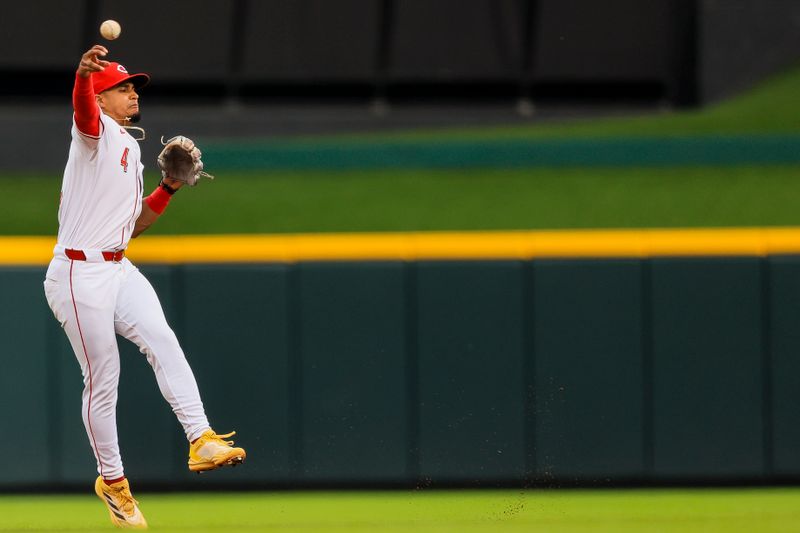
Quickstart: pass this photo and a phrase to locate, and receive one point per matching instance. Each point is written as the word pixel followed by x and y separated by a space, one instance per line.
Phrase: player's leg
pixel 140 318
pixel 81 296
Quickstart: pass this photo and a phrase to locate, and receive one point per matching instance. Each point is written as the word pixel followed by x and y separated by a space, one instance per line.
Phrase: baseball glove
pixel 180 160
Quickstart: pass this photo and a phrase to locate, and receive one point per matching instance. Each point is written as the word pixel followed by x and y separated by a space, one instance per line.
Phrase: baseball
pixel 110 29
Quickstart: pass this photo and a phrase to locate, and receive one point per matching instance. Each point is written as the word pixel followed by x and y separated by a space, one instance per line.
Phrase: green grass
pixel 413 200
pixel 551 511
pixel 407 200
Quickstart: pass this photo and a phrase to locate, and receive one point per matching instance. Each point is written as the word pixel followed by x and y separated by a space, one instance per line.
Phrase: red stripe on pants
pixel 86 355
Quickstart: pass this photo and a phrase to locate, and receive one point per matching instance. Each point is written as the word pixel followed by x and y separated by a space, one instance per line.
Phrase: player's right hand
pixel 91 62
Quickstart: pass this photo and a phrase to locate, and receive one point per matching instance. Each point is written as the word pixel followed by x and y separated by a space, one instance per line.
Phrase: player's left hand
pixel 173 184
pixel 180 161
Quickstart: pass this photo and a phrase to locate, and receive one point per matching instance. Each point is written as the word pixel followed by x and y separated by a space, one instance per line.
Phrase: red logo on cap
pixel 122 69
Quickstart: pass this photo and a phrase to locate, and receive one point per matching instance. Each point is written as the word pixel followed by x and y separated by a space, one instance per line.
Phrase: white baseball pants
pixel 94 300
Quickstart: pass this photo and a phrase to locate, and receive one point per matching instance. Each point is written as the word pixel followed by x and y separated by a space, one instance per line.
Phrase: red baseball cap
pixel 113 75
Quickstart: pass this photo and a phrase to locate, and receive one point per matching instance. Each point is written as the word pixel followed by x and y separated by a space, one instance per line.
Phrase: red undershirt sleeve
pixel 87 114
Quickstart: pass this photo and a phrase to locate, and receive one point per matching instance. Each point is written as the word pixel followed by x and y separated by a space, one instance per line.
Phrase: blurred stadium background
pixel 406 257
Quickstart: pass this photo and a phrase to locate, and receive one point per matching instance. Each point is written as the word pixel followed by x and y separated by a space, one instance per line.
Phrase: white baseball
pixel 110 29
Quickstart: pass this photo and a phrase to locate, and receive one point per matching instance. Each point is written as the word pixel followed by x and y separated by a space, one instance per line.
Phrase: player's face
pixel 119 102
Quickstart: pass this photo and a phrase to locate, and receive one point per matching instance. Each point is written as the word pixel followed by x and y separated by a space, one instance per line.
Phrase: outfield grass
pixel 414 200
pixel 551 511
pixel 411 200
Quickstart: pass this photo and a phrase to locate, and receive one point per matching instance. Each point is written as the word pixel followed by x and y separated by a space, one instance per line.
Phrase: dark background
pixel 681 52
pixel 275 68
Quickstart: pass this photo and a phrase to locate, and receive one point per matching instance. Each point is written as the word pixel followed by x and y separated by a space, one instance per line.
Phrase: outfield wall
pixel 661 363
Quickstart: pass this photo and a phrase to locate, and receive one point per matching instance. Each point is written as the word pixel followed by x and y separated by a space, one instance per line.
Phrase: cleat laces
pixel 125 498
pixel 220 438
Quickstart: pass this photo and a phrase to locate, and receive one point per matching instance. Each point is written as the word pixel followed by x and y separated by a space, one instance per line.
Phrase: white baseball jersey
pixel 101 196
pixel 96 299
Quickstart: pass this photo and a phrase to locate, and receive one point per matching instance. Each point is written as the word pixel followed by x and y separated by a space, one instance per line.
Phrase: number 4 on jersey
pixel 124 160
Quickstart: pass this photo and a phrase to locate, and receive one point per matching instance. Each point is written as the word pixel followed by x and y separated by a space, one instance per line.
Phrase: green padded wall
pixel 76 463
pixel 471 371
pixel 460 372
pixel 235 333
pixel 784 343
pixel 25 378
pixel 707 363
pixel 351 321
pixel 589 389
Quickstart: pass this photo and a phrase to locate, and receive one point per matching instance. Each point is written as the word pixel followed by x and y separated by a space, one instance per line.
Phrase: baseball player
pixel 95 292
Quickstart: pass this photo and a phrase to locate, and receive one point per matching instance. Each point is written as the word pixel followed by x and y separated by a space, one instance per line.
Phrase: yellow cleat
pixel 210 451
pixel 122 508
